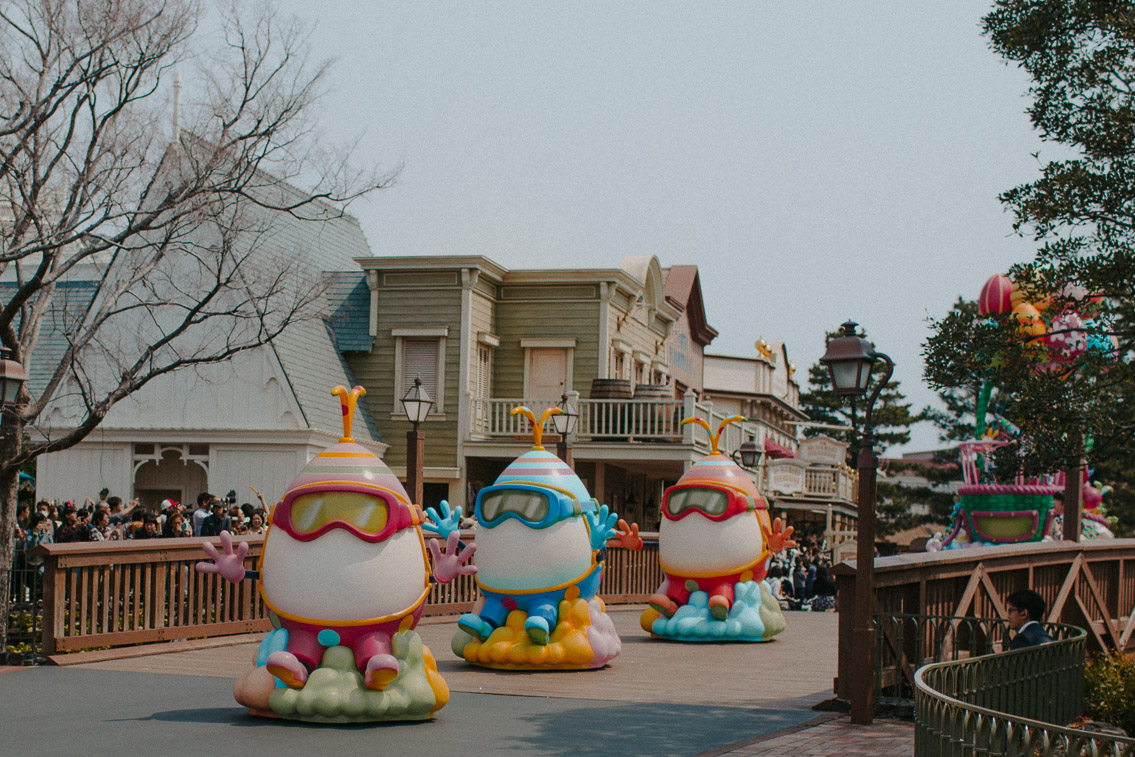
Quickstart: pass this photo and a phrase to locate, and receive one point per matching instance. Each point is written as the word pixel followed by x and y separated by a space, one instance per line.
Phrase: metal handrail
pixel 906 641
pixel 999 703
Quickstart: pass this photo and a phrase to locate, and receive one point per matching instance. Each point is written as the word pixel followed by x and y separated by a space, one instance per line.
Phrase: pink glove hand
pixel 451 565
pixel 228 566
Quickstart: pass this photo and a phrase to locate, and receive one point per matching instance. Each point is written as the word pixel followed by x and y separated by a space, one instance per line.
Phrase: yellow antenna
pixel 537 425
pixel 348 400
pixel 714 438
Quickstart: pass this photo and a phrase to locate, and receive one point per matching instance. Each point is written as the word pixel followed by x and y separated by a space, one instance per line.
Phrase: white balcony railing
pixel 623 420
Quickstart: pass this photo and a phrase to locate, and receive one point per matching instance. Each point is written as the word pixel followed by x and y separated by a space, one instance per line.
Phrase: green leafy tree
pixel 891 419
pixel 1080 56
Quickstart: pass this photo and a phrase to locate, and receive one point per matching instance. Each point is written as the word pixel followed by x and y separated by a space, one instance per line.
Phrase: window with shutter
pixel 484 365
pixel 419 360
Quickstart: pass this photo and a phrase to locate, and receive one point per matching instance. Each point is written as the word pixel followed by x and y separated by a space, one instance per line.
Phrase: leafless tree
pixel 145 250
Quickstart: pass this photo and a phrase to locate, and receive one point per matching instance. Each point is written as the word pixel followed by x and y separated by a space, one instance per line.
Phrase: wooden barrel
pixel 607 420
pixel 610 389
pixel 650 422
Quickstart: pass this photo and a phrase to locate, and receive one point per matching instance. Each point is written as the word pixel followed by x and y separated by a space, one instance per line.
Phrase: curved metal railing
pixel 1008 703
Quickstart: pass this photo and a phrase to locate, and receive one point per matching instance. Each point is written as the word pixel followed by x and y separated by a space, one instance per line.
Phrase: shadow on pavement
pixel 646 728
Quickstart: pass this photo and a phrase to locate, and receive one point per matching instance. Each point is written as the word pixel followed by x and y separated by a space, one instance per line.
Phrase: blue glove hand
pixel 603 526
pixel 443 523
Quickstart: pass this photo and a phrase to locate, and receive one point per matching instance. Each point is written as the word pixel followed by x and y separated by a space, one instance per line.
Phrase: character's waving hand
pixel 626 537
pixel 778 540
pixel 602 526
pixel 230 565
pixel 452 564
pixel 443 523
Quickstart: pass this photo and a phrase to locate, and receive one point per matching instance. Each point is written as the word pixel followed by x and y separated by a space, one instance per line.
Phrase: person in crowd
pixel 257 523
pixel 103 494
pixel 23 521
pixel 116 511
pixel 82 524
pixel 204 504
pixel 39 532
pixel 217 521
pixel 137 520
pixel 800 580
pixel 100 528
pixel 823 589
pixel 149 529
pixel 237 524
pixel 67 530
pixel 1026 612
pixel 176 525
pixel 774 580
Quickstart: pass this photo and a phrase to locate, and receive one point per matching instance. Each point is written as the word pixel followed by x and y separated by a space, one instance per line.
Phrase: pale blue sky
pixel 817 161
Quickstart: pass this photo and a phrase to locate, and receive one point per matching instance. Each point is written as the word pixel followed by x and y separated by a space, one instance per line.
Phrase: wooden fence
pixel 110 594
pixel 1088 584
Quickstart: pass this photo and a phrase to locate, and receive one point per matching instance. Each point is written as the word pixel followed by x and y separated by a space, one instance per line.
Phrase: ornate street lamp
pixel 850 359
pixel 564 423
pixel 12 377
pixel 417 404
pixel 748 454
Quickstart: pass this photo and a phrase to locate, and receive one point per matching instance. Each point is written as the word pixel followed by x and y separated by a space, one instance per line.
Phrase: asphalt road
pixel 657 698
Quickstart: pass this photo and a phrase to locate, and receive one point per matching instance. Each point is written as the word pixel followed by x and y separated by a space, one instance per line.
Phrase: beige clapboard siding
pixel 413 308
pixel 577 320
pixel 481 320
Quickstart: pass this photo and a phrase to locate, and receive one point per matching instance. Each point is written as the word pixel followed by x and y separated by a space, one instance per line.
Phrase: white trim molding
pixel 440 332
pixel 548 343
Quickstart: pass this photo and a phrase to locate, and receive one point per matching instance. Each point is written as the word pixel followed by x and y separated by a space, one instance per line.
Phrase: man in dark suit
pixel 1026 611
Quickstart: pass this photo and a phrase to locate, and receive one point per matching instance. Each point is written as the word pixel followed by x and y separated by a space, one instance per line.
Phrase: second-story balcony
pixel 632 424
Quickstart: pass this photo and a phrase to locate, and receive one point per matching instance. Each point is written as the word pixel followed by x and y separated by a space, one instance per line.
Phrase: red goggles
pixel 372 513
pixel 714 501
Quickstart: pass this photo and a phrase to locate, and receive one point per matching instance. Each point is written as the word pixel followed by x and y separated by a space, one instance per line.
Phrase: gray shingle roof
pixel 68 305
pixel 308 351
pixel 348 298
pixel 313 366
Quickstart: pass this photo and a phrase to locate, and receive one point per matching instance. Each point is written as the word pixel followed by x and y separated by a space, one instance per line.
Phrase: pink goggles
pixel 370 512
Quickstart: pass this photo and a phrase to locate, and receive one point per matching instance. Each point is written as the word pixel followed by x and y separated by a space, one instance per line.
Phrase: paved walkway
pixel 829 735
pixel 656 698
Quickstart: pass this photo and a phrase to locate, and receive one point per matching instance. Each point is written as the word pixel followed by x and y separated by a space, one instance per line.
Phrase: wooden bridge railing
pixel 1088 584
pixel 110 594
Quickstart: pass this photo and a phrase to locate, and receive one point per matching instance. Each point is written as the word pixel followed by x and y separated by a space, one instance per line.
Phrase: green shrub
pixel 1109 689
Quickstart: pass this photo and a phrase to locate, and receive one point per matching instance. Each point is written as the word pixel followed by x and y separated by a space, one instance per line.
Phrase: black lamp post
pixel 748 454
pixel 850 359
pixel 564 423
pixel 417 404
pixel 12 377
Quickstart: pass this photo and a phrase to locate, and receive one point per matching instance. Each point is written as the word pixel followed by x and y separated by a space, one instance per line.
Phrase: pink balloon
pixel 1066 338
pixel 996 295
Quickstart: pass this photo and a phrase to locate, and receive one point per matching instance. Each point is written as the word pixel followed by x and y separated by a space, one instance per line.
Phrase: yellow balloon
pixel 1018 296
pixel 1028 319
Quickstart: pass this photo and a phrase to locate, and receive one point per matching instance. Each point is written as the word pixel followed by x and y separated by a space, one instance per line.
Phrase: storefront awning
pixel 777 451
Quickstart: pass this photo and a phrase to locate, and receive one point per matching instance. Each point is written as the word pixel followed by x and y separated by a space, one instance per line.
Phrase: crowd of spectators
pixel 111 519
pixel 800 578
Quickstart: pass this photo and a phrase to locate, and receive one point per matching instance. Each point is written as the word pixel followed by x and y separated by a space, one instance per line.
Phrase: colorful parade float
pixel 345 572
pixel 541 546
pixel 989 512
pixel 714 544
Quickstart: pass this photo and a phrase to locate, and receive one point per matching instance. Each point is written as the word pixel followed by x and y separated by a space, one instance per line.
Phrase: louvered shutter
pixel 484 366
pixel 419 359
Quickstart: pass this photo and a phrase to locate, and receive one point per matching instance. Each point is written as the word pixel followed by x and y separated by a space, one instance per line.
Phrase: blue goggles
pixel 536 505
